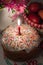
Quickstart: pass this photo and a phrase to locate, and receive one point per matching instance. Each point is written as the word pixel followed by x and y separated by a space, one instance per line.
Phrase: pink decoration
pixel 33 62
pixel 18 5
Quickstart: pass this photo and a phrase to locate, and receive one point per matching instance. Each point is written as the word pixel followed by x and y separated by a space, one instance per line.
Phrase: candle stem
pixel 19 30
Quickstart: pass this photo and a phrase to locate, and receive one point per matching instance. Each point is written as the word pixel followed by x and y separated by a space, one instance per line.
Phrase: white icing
pixel 26 41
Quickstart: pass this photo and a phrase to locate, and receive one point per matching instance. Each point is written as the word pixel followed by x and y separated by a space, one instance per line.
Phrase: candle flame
pixel 19 22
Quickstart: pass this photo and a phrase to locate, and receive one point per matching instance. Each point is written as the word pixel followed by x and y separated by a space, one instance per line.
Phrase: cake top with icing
pixel 28 39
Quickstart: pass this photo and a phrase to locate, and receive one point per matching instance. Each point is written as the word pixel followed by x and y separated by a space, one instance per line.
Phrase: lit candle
pixel 19 22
